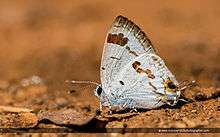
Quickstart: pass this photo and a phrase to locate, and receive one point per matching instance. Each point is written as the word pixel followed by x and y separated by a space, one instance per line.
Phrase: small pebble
pixel 200 96
pixel 193 111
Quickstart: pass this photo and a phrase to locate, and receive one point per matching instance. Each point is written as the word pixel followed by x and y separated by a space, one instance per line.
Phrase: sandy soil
pixel 45 43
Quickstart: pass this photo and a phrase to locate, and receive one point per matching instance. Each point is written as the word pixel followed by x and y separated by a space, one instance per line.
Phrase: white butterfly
pixel 132 74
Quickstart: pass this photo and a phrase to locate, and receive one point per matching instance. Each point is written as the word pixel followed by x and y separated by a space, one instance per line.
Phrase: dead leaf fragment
pixel 66 117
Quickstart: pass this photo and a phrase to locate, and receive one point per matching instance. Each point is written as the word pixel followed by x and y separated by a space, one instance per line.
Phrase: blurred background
pixel 63 40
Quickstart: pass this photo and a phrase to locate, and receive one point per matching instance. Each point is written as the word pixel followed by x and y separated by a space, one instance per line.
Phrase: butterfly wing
pixel 124 42
pixel 142 81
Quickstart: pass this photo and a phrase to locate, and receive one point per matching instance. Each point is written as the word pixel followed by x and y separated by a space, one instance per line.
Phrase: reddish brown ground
pixel 60 41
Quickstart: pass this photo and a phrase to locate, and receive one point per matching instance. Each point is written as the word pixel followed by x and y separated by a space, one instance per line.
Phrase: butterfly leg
pixel 184 100
pixel 100 106
pixel 130 103
pixel 110 109
pixel 133 110
pixel 162 98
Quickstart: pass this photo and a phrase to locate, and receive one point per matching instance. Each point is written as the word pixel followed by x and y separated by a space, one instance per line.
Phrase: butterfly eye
pixel 99 90
pixel 171 85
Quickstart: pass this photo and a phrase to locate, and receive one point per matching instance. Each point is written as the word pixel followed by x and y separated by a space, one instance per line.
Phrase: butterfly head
pixel 98 91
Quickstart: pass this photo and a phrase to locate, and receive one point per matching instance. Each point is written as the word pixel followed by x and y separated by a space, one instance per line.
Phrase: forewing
pixel 124 42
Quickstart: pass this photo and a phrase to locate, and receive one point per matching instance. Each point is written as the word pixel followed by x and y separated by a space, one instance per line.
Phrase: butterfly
pixel 132 74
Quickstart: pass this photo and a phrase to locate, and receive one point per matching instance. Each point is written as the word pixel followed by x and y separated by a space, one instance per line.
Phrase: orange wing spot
pixel 148 72
pixel 136 65
pixel 118 39
pixel 151 76
pixel 121 35
pixel 140 70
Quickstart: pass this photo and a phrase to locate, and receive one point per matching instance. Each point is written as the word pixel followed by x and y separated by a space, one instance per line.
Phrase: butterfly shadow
pixel 182 101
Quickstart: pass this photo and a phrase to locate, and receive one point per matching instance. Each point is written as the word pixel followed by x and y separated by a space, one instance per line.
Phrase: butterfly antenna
pixel 188 85
pixel 82 82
